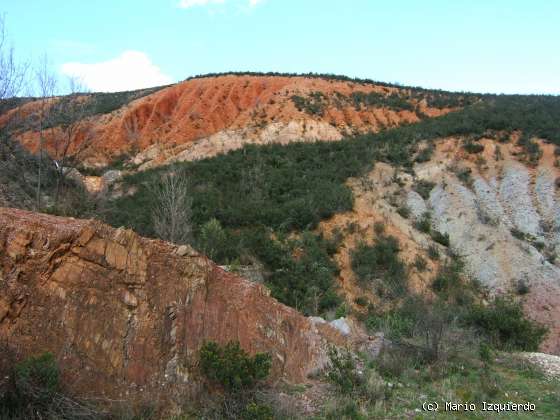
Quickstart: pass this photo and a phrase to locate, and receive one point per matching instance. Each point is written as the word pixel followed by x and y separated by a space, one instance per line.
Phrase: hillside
pixel 204 116
pixel 424 223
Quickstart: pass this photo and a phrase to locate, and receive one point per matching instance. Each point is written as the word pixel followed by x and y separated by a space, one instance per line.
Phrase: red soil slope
pixel 198 108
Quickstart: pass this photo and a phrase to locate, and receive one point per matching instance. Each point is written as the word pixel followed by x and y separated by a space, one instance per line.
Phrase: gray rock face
pixel 517 200
pixel 111 176
pixel 545 192
pixel 416 204
pixel 490 209
pixel 491 254
pixel 341 325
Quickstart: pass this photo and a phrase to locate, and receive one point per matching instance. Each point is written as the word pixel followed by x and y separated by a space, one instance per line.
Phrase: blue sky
pixel 477 45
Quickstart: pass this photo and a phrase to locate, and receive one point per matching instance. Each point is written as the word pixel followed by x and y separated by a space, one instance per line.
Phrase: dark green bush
pixel 256 411
pixel 506 326
pixel 32 389
pixel 313 105
pixel 396 323
pixel 518 234
pixel 425 223
pixel 440 238
pixel 394 101
pixel 522 287
pixel 342 371
pixel 450 285
pixel 381 261
pixel 420 263
pixel 425 154
pixel 472 147
pixel 37 379
pixel 403 211
pixel 306 282
pixel 433 252
pixel 464 175
pixel 423 187
pixel 231 367
pixel 361 301
pixel 379 228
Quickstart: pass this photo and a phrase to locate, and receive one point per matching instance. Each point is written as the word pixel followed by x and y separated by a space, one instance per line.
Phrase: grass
pixel 511 381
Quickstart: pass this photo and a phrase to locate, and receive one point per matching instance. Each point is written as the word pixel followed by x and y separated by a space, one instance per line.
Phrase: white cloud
pixel 131 70
pixel 185 4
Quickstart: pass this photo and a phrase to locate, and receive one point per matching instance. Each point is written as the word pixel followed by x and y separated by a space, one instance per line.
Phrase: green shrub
pixel 231 367
pixel 37 379
pixel 256 411
pixel 305 282
pixel 393 101
pixel 420 263
pixel 518 234
pixel 361 301
pixel 464 175
pixel 507 328
pixel 425 223
pixel 32 389
pixel 313 105
pixel 341 311
pixel 440 238
pixel 379 228
pixel 381 261
pixel 539 245
pixel 449 285
pixel 472 147
pixel 213 240
pixel 403 211
pixel 396 324
pixel 341 371
pixel 531 148
pixel 433 252
pixel 522 287
pixel 485 352
pixel 423 187
pixel 425 154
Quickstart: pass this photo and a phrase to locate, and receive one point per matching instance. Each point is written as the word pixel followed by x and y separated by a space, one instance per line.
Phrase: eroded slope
pixel 205 116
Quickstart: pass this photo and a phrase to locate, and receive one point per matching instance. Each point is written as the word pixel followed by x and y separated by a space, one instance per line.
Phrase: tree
pixel 46 82
pixel 15 164
pixel 213 239
pixel 12 74
pixel 172 212
pixel 71 133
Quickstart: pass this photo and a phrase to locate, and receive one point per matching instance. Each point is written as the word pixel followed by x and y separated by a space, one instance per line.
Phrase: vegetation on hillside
pixel 261 205
pixel 259 195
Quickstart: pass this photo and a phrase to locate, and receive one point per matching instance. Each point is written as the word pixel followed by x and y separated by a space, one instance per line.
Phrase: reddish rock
pixel 133 312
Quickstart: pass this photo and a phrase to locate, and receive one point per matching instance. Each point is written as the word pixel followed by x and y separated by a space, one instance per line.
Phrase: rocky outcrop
pixel 502 222
pixel 126 315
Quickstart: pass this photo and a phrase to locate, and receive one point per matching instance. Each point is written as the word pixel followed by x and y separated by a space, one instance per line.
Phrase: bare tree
pixel 71 132
pixel 12 74
pixel 46 82
pixel 14 162
pixel 172 213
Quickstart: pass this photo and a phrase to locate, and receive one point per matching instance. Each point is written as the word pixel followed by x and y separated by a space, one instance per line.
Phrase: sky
pixel 460 45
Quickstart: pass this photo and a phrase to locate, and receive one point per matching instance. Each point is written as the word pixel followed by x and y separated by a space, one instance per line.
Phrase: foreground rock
pixel 125 316
pixel 547 363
